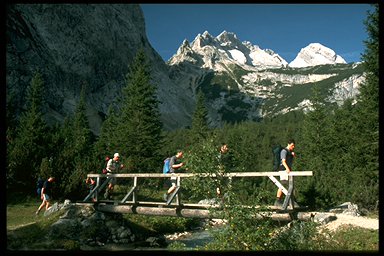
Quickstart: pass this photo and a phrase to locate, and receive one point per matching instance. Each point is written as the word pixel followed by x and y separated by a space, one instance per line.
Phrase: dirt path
pixel 20 226
pixel 344 219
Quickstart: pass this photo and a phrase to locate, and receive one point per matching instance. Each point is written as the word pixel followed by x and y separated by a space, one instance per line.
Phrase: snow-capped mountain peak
pixel 226 48
pixel 316 54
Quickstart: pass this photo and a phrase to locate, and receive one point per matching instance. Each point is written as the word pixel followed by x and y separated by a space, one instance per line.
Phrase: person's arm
pixel 42 192
pixel 177 166
pixel 284 162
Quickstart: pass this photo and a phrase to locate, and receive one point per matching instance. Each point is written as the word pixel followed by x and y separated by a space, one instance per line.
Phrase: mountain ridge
pixel 241 81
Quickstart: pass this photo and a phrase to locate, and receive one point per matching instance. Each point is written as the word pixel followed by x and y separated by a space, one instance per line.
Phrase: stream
pixel 192 239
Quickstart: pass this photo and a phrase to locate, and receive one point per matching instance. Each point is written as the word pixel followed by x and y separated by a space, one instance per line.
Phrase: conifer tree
pixel 139 126
pixel 199 128
pixel 107 143
pixel 80 150
pixel 28 147
pixel 71 160
pixel 367 125
pixel 368 105
pixel 315 145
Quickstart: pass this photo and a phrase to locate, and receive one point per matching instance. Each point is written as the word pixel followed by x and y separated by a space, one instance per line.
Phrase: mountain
pixel 226 48
pixel 243 82
pixel 316 54
pixel 73 44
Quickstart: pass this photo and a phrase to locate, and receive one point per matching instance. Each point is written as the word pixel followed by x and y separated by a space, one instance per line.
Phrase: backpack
pixel 105 171
pixel 276 150
pixel 166 167
pixel 39 183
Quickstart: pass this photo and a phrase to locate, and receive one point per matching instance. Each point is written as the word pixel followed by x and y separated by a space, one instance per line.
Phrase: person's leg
pixel 47 205
pixel 41 206
pixel 279 193
pixel 109 190
pixel 171 189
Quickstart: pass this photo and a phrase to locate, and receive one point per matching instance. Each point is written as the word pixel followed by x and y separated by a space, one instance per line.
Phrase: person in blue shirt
pixel 174 165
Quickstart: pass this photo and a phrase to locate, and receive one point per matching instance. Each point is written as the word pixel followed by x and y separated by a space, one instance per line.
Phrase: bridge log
pixel 156 211
pixel 196 213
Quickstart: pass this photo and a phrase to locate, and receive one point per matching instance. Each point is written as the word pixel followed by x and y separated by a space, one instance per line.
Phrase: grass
pixel 349 237
pixel 24 230
pixel 23 213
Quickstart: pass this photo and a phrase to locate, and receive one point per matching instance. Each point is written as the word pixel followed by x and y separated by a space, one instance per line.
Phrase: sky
pixel 283 28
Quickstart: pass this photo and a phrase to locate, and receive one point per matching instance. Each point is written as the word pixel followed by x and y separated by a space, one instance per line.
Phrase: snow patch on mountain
pixel 238 56
pixel 316 54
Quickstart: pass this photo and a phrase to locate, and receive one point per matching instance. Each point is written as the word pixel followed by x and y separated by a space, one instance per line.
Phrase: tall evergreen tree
pixel 72 159
pixel 199 128
pixel 315 145
pixel 139 126
pixel 27 149
pixel 108 142
pixel 368 115
pixel 80 153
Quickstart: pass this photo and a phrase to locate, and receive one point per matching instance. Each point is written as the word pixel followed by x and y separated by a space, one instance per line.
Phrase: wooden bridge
pixel 174 206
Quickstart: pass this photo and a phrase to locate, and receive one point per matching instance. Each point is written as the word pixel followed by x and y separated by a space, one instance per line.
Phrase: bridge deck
pixel 174 206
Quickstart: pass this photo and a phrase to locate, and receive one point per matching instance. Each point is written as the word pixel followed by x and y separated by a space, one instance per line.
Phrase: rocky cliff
pixel 83 43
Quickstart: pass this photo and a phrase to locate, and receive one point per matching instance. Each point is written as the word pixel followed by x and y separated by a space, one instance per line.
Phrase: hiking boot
pixel 165 197
pixel 106 195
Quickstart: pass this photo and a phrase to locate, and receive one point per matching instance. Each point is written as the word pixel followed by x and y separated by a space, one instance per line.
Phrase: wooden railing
pixel 132 193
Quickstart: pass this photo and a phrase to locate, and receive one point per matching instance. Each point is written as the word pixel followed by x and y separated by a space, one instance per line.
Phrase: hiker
pixel 286 157
pixel 91 185
pixel 39 186
pixel 113 167
pixel 46 194
pixel 223 159
pixel 174 165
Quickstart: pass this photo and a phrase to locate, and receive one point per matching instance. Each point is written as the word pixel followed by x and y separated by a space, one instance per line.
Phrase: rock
pixel 347 208
pixel 324 218
pixel 65 229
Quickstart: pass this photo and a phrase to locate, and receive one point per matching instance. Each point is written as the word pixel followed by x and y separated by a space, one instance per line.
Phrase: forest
pixel 340 145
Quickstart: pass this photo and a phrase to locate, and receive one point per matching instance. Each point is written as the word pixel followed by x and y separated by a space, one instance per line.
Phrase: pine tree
pixel 28 147
pixel 315 145
pixel 107 143
pixel 72 158
pixel 139 126
pixel 199 128
pixel 367 126
pixel 80 150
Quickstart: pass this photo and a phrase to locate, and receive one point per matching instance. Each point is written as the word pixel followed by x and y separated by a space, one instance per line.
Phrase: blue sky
pixel 283 28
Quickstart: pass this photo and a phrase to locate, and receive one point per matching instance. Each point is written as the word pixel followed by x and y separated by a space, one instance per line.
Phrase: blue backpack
pixel 166 167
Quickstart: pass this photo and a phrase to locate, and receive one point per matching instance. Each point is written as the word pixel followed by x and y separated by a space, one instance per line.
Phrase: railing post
pixel 177 195
pixel 289 196
pixel 134 196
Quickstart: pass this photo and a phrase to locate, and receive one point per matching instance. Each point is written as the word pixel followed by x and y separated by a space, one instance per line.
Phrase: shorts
pixel 112 180
pixel 173 181
pixel 170 182
pixel 47 197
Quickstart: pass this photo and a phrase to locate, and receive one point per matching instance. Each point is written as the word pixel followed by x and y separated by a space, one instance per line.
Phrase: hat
pixel 116 155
